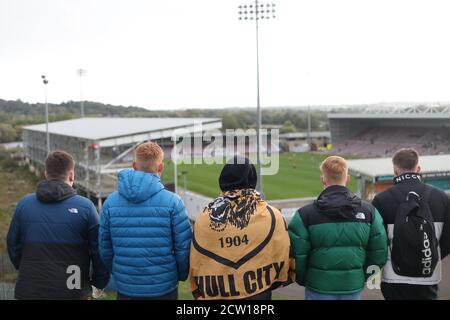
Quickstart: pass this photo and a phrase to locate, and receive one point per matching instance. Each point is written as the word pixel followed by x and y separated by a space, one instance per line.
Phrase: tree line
pixel 14 114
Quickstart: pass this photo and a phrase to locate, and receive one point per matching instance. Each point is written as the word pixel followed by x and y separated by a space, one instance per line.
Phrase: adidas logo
pixel 73 210
pixel 360 216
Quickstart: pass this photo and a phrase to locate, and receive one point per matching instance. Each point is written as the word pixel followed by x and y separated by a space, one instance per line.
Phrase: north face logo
pixel 73 210
pixel 360 216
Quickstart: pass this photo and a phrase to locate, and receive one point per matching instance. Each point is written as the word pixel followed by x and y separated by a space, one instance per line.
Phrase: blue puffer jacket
pixel 144 236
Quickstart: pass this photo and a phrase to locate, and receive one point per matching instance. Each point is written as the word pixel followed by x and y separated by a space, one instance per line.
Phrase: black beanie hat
pixel 238 173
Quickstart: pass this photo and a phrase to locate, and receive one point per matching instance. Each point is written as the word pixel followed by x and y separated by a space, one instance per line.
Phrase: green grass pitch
pixel 298 176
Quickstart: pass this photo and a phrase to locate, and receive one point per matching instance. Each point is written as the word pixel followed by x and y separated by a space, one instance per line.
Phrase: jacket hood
pixel 54 191
pixel 138 186
pixel 338 202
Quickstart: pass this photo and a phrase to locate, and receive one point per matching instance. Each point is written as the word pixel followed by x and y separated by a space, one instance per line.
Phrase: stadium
pixel 379 132
pixel 376 133
pixel 122 133
pixel 104 146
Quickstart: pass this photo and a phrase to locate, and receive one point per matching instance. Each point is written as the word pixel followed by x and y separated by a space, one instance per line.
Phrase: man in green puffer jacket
pixel 338 241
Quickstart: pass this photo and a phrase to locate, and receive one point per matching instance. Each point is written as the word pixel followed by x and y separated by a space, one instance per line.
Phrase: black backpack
pixel 414 251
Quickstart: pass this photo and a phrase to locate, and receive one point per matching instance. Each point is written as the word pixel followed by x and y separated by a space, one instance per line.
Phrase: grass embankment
pixel 15 182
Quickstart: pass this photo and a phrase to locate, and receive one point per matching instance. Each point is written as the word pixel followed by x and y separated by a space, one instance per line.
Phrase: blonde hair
pixel 148 156
pixel 334 169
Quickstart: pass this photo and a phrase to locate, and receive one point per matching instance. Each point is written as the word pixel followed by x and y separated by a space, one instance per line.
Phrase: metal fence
pixel 195 203
pixel 6 291
pixel 8 275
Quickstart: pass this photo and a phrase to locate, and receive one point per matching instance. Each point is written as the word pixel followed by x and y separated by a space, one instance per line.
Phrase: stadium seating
pixel 384 141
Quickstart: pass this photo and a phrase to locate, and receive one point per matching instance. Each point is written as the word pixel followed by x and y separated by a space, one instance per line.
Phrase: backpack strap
pixel 398 195
pixel 426 193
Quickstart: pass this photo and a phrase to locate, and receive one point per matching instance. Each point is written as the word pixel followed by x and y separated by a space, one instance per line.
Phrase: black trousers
pixel 170 296
pixel 403 291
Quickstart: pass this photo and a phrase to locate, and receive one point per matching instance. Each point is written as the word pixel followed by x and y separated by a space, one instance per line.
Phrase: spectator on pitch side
pixel 240 248
pixel 409 209
pixel 336 239
pixel 145 233
pixel 52 239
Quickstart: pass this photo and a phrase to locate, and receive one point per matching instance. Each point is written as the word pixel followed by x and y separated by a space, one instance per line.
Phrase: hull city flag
pixel 240 248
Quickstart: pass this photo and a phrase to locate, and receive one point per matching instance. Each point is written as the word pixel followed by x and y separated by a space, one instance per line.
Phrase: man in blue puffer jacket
pixel 145 235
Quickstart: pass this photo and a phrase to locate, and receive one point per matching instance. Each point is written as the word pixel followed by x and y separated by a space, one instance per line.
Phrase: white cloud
pixel 173 53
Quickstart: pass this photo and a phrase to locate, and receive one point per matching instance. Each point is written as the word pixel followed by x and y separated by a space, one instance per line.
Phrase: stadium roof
pixel 383 166
pixel 107 128
pixel 303 135
pixel 389 116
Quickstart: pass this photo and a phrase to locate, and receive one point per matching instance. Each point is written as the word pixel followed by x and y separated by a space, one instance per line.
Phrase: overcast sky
pixel 178 53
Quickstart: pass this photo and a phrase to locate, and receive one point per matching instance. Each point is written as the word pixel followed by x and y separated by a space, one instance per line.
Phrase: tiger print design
pixel 235 207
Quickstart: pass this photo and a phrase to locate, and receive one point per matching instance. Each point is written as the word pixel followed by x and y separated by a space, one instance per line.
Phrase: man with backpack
pixel 338 241
pixel 417 219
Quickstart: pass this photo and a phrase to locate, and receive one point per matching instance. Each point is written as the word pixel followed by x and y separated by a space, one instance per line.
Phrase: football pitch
pixel 298 176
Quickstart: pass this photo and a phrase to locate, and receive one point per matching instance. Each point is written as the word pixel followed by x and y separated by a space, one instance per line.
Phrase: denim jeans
pixel 314 295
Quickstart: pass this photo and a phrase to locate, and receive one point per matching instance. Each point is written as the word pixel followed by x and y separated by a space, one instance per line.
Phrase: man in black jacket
pixel 52 239
pixel 407 179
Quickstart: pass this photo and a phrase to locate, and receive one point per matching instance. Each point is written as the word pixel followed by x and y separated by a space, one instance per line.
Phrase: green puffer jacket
pixel 335 240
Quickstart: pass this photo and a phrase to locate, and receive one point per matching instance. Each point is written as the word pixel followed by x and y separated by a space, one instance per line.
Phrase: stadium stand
pixel 379 135
pixel 379 142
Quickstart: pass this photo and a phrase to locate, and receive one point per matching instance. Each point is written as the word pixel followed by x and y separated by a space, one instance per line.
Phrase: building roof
pixel 383 166
pixel 107 128
pixel 389 116
pixel 304 135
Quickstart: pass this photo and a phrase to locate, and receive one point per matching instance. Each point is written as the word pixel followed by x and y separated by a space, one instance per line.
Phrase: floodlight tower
pixel 81 73
pixel 45 82
pixel 257 10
